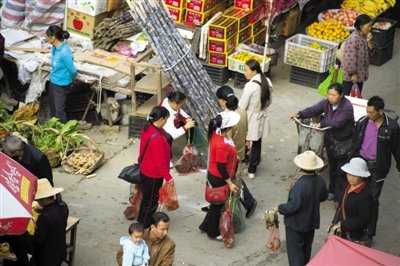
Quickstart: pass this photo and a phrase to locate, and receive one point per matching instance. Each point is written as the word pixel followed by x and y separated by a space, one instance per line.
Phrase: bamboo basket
pixel 90 150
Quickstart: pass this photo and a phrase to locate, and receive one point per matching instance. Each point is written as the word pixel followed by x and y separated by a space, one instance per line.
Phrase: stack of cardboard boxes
pixel 200 11
pixel 84 16
pixel 290 21
pixel 176 9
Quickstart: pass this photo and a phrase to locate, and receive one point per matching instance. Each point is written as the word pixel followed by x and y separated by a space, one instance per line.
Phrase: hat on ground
pixel 308 160
pixel 357 167
pixel 45 190
pixel 229 119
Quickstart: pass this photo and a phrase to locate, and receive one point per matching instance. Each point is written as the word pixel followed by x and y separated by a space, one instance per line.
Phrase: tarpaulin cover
pixel 338 251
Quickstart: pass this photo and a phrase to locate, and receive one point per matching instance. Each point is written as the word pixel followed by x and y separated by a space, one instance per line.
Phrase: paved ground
pixel 99 201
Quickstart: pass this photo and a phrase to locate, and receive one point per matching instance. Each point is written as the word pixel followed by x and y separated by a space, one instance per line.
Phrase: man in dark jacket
pixel 29 157
pixel 302 208
pixel 376 138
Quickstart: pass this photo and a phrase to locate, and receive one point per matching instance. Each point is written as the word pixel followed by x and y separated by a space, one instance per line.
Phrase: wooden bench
pixel 72 227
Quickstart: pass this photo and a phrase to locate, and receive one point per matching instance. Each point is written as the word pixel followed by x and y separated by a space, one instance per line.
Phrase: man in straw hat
pixel 49 241
pixel 301 211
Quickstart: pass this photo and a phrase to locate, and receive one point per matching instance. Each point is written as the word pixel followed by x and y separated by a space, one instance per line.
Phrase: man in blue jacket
pixel 376 138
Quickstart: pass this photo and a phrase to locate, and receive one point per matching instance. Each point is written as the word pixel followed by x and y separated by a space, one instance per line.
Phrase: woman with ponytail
pixel 255 100
pixel 154 165
pixel 62 72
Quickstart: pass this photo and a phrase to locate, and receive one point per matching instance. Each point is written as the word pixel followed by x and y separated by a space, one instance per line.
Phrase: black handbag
pixel 131 173
pixel 340 148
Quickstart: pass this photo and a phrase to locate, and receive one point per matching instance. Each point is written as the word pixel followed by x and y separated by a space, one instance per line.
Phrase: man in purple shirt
pixel 376 138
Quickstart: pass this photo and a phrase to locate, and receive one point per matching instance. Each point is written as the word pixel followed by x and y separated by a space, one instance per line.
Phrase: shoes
pixel 205 209
pixel 171 165
pixel 331 196
pixel 251 176
pixel 368 241
pixel 218 238
pixel 251 210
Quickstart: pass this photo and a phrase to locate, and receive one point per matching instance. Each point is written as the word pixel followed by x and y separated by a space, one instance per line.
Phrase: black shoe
pixel 368 241
pixel 205 209
pixel 251 210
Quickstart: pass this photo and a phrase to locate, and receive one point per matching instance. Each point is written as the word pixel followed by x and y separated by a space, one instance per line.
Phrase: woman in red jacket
pixel 154 166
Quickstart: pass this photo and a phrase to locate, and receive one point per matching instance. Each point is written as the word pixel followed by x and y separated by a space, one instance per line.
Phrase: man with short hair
pixel 29 157
pixel 376 138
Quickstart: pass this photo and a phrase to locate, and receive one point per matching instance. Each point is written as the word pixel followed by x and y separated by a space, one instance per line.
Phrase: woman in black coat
pixel 355 210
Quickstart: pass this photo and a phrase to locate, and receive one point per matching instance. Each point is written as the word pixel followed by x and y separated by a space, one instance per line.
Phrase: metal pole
pixel 267 22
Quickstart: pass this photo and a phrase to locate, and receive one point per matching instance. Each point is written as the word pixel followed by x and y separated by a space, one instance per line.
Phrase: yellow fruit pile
pixel 371 8
pixel 316 45
pixel 330 30
pixel 245 56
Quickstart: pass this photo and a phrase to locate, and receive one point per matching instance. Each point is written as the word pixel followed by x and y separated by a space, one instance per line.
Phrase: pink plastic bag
pixel 274 240
pixel 131 211
pixel 189 161
pixel 226 227
pixel 355 91
pixel 168 197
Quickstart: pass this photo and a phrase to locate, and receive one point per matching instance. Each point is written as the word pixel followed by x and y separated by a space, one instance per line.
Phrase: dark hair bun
pixel 65 34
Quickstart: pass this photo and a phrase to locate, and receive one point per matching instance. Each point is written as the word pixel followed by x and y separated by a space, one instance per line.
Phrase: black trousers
pixel 337 177
pixel 57 97
pixel 298 245
pixel 376 189
pixel 255 156
pixel 347 85
pixel 247 200
pixel 150 188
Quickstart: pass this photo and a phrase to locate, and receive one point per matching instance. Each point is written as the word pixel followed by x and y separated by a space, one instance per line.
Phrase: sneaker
pixel 251 210
pixel 171 165
pixel 331 196
pixel 251 176
pixel 219 238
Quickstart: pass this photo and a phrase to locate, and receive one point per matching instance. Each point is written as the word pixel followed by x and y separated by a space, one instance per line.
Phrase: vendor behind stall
pixel 62 71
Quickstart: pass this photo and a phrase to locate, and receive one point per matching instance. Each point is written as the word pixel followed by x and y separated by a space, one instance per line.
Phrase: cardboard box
pixel 175 3
pixel 200 5
pixel 241 15
pixel 83 24
pixel 257 26
pixel 248 41
pixel 89 7
pixel 244 34
pixel 113 4
pixel 222 46
pixel 223 28
pixel 290 21
pixel 219 59
pixel 199 18
pixel 176 14
pixel 247 4
pixel 259 38
pixel 256 14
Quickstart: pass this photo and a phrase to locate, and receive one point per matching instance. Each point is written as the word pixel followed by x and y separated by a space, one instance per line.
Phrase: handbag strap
pixel 145 146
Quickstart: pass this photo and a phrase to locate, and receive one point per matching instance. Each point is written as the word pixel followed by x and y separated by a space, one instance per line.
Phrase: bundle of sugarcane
pixel 111 30
pixel 184 70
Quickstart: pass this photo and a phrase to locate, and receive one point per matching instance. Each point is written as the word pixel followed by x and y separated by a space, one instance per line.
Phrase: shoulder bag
pixel 131 173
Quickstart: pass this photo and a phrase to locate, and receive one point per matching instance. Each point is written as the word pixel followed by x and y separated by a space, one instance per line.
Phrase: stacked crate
pixel 382 42
pixel 176 9
pixel 200 11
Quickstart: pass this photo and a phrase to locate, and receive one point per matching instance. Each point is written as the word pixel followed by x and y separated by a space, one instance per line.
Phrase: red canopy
pixel 338 251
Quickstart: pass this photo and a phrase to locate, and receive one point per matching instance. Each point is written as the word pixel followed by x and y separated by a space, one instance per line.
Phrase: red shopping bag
pixel 189 161
pixel 168 197
pixel 226 227
pixel 274 240
pixel 132 210
pixel 355 91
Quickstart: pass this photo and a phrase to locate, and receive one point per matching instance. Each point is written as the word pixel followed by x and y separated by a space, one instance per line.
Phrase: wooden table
pixel 72 227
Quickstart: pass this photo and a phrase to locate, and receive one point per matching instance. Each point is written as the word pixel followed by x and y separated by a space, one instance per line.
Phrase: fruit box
pixel 244 34
pixel 176 13
pixel 246 4
pixel 241 15
pixel 290 21
pixel 222 46
pixel 298 53
pixel 220 59
pixel 200 5
pixel 223 28
pixel 83 24
pixel 238 65
pixel 175 3
pixel 256 14
pixel 259 38
pixel 88 7
pixel 257 26
pixel 201 18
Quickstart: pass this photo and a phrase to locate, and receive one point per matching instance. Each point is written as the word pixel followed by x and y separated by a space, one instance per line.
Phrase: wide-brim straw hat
pixel 308 160
pixel 357 167
pixel 229 119
pixel 45 190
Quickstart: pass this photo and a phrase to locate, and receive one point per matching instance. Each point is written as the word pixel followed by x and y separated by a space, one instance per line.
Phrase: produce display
pixel 330 30
pixel 382 25
pixel 346 16
pixel 237 60
pixel 371 8
pixel 316 45
pixel 246 56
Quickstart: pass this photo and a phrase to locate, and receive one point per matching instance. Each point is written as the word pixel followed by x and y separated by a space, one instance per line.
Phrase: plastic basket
pixel 382 55
pixel 238 66
pixel 297 53
pixel 306 77
pixel 381 37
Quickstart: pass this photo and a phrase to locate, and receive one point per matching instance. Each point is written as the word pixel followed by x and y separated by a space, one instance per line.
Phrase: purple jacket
pixel 356 57
pixel 341 120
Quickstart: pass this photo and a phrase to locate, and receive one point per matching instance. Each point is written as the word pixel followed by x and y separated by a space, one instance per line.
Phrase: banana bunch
pixel 371 8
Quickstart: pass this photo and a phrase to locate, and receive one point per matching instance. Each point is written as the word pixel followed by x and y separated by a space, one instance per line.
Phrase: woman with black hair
pixel 179 122
pixel 255 100
pixel 356 54
pixel 62 72
pixel 222 163
pixel 154 165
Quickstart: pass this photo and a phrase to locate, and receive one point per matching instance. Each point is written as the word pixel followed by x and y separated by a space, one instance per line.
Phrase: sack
pixel 216 194
pixel 335 75
pixel 131 174
pixel 200 143
pixel 274 240
pixel 189 161
pixel 339 148
pixel 355 91
pixel 131 211
pixel 239 218
pixel 168 197
pixel 226 227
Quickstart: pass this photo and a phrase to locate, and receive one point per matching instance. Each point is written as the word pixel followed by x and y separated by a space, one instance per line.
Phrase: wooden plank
pixel 145 109
pixel 151 83
pixel 26 49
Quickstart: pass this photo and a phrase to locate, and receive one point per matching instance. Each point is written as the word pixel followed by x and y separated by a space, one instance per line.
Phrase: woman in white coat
pixel 255 100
